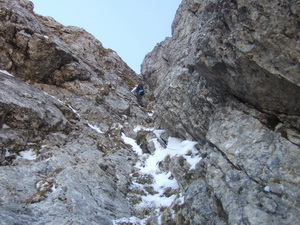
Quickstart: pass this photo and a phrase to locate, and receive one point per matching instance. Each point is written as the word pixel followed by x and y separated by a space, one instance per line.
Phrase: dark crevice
pixel 237 167
pixel 241 168
pixel 220 210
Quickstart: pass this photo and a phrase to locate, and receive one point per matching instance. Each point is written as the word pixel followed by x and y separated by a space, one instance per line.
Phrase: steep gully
pixel 71 158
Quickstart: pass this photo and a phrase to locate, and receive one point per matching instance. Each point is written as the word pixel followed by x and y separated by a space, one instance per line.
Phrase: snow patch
pixel 116 126
pixel 149 173
pixel 53 188
pixel 158 133
pixel 7 73
pixel 95 128
pixel 138 128
pixel 7 154
pixel 4 126
pixel 130 220
pixel 267 189
pixel 28 154
pixel 151 113
pixel 135 147
pixel 74 110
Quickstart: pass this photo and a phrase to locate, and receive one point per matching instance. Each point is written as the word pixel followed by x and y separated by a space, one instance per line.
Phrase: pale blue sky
pixel 130 27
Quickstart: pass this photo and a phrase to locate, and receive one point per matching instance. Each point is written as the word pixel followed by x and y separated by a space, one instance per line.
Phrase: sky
pixel 132 28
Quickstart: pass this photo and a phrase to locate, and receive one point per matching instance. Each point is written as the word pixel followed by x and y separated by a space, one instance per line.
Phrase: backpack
pixel 140 89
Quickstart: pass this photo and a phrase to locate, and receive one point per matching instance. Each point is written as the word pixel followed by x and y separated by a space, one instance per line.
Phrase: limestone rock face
pixel 39 49
pixel 64 102
pixel 248 48
pixel 26 107
pixel 229 79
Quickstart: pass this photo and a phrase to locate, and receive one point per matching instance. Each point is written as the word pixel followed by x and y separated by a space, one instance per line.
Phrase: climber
pixel 138 91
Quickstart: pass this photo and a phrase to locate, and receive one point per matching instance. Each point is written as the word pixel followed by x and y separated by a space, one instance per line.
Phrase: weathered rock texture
pixel 229 78
pixel 38 49
pixel 62 111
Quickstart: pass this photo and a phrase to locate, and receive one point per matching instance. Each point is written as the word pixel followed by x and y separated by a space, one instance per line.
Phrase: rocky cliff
pixel 229 79
pixel 64 101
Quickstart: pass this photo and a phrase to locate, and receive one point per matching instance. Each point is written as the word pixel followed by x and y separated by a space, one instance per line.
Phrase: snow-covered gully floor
pixel 154 188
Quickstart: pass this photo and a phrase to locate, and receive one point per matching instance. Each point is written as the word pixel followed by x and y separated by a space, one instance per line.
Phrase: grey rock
pixel 25 107
pixel 222 80
pixel 39 49
pixel 258 157
pixel 62 157
pixel 179 169
pixel 202 207
pixel 230 45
